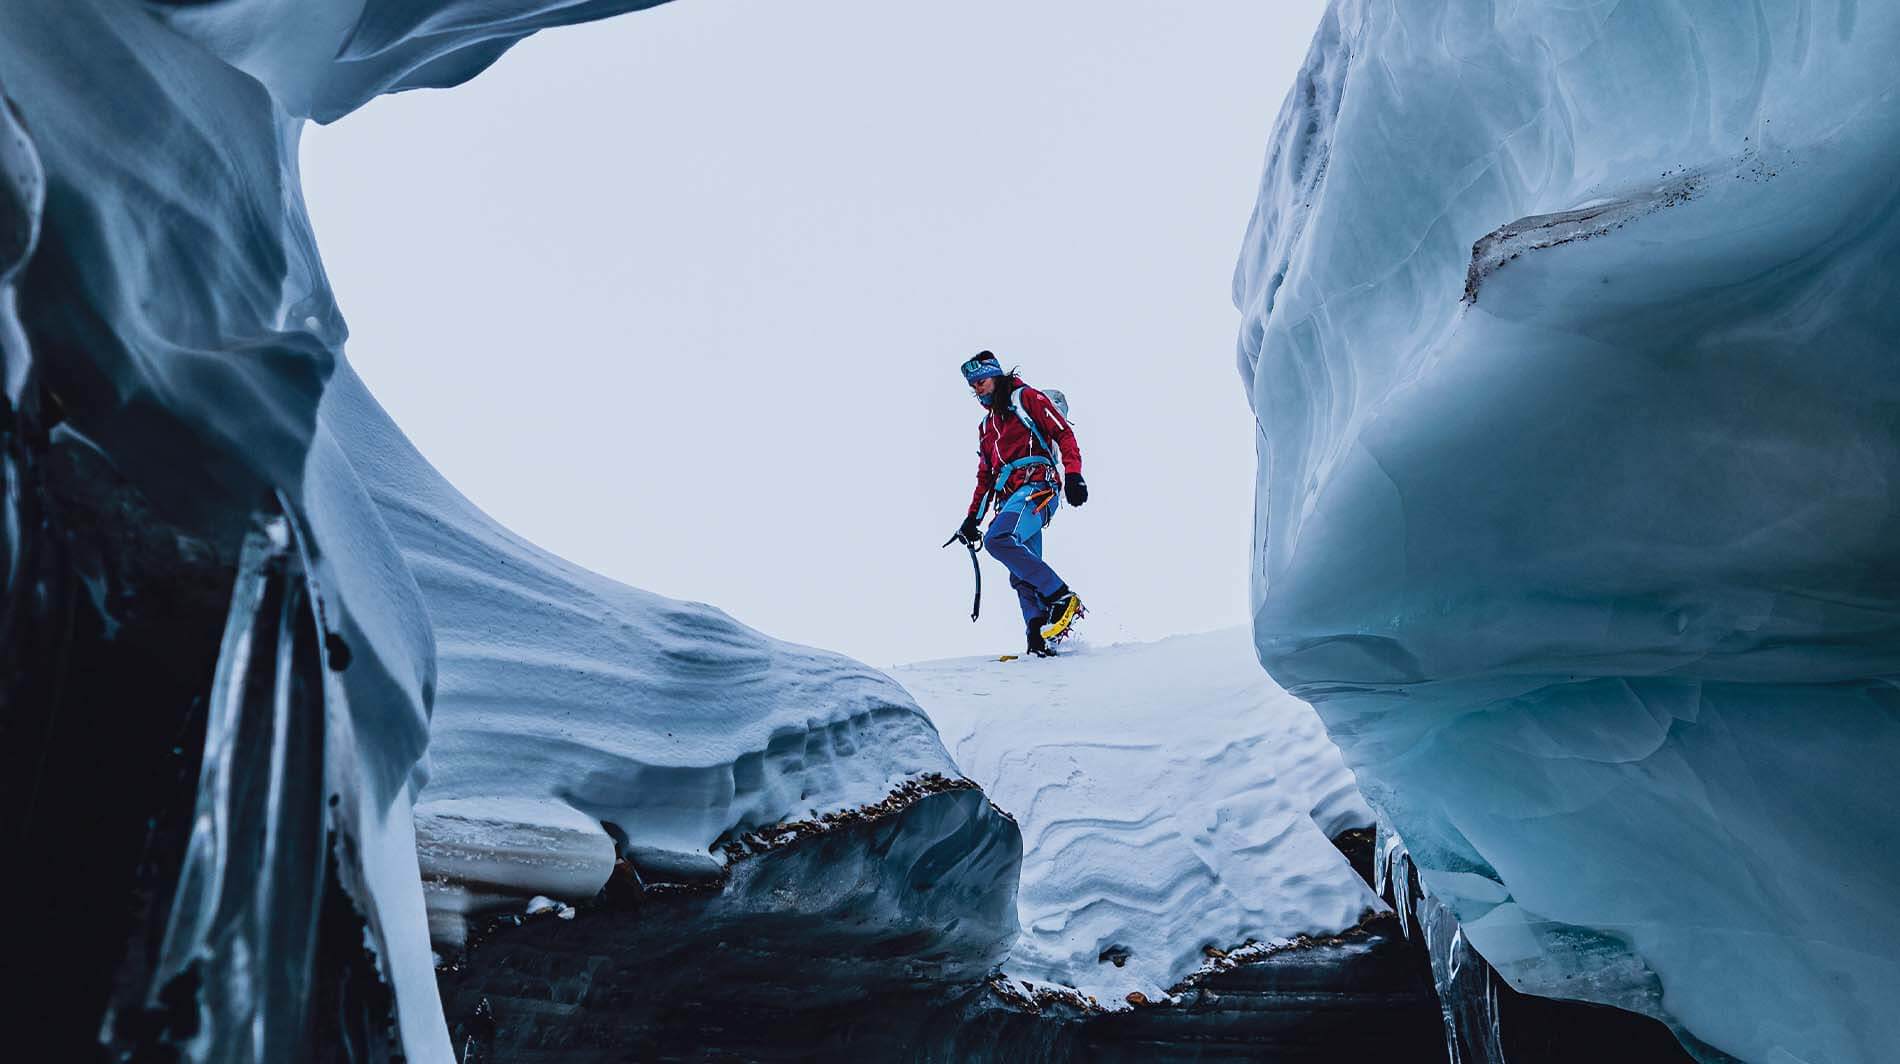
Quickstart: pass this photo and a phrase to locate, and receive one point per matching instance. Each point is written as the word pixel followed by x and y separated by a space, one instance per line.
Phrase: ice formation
pixel 168 339
pixel 1569 330
pixel 869 938
pixel 568 706
pixel 1170 799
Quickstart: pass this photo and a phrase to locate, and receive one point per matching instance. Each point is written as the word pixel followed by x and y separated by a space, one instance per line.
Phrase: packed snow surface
pixel 1170 797
pixel 1570 329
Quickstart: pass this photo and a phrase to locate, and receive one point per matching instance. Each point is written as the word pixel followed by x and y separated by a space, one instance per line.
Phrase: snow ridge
pixel 1171 799
pixel 596 720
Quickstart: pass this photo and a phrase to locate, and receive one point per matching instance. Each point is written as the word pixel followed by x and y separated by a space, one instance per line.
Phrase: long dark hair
pixel 1005 386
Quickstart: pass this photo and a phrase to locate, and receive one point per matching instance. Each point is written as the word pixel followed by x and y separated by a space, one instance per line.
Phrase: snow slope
pixel 1170 798
pixel 1570 333
pixel 566 702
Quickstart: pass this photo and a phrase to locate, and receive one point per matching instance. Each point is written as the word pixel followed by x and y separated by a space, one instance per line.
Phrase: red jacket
pixel 1003 438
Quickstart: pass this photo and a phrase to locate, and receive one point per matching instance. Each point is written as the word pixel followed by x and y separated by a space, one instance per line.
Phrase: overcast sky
pixel 681 296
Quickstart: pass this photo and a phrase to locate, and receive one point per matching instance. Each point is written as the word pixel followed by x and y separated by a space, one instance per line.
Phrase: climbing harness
pixel 1035 433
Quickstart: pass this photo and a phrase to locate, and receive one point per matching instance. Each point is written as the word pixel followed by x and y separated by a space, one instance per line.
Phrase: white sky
pixel 681 296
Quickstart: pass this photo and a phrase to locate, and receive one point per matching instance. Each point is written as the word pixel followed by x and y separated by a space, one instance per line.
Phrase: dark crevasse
pixel 201 813
pixel 102 688
pixel 1361 995
pixel 172 769
pixel 265 957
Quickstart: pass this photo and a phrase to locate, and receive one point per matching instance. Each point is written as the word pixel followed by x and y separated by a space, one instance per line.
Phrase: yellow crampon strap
pixel 1061 626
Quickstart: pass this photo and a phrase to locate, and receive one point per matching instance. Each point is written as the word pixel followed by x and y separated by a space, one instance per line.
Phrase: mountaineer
pixel 1022 438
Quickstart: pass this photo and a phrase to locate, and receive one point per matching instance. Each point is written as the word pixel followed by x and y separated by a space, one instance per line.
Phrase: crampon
pixel 1065 611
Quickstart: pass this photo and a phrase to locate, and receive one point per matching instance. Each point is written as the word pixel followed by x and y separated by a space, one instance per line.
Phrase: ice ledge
pixel 482 858
pixel 873 918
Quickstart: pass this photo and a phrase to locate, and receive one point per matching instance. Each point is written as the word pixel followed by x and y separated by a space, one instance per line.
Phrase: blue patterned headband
pixel 982 366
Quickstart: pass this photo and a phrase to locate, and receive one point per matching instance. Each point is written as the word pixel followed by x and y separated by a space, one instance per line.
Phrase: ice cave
pixel 1570 333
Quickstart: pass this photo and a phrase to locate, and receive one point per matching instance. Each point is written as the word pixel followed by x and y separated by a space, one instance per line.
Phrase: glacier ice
pixel 324 60
pixel 168 335
pixel 1569 331
pixel 170 347
pixel 588 735
pixel 1171 800
pixel 863 941
pixel 565 702
pixel 179 302
pixel 187 452
pixel 1481 1017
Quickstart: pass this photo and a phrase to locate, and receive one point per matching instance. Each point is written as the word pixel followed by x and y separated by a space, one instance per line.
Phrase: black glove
pixel 969 532
pixel 1075 490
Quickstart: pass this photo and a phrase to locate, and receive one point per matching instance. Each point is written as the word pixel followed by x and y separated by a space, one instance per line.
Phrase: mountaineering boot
pixel 1038 645
pixel 1064 608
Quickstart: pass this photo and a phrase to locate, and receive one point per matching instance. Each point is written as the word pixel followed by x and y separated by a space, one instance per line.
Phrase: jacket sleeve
pixel 983 475
pixel 1055 427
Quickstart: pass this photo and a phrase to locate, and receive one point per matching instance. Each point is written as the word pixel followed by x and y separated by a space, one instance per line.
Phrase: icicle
pixel 242 933
pixel 1466 984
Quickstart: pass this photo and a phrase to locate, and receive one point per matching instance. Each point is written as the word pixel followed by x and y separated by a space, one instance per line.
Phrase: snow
pixel 1569 333
pixel 542 905
pixel 401 922
pixel 566 702
pixel 1170 798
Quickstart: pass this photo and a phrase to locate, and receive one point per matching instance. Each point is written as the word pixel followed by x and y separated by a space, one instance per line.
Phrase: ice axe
pixel 976 604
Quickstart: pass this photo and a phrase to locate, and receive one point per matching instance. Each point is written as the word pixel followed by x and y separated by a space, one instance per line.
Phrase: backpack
pixel 1056 399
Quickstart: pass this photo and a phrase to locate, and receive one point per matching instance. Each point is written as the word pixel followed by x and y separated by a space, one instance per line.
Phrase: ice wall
pixel 174 322
pixel 177 297
pixel 324 60
pixel 1569 329
pixel 176 301
pixel 166 327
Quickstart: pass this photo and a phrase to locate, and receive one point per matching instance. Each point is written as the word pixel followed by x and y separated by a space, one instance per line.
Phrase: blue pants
pixel 1015 539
